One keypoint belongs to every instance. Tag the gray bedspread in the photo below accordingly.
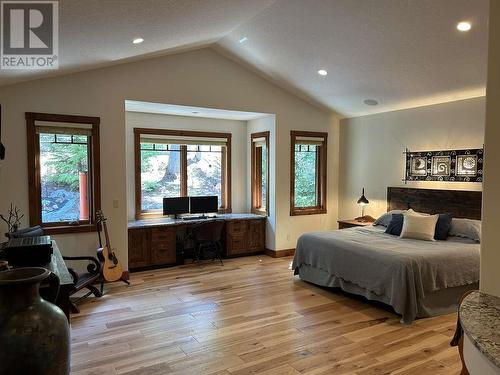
(400, 271)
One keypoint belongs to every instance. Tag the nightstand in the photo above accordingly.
(343, 224)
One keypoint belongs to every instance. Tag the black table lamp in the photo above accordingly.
(362, 201)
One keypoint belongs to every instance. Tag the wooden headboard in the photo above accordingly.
(458, 203)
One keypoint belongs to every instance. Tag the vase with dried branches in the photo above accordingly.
(13, 220)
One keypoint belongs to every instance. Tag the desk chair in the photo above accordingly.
(207, 237)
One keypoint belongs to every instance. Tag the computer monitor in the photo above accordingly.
(204, 205)
(175, 206)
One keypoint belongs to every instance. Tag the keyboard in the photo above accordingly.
(189, 218)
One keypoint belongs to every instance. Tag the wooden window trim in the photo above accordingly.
(226, 162)
(94, 173)
(256, 174)
(321, 175)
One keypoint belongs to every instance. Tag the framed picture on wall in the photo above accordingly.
(449, 165)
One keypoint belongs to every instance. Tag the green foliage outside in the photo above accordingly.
(305, 176)
(264, 175)
(161, 172)
(63, 161)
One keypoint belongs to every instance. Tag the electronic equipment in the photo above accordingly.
(28, 251)
(203, 217)
(175, 206)
(203, 205)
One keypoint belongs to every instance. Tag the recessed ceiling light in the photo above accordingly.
(322, 72)
(370, 102)
(243, 40)
(138, 40)
(464, 26)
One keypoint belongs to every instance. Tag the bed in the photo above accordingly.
(417, 278)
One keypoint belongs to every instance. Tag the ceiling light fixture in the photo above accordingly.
(243, 40)
(370, 102)
(138, 40)
(322, 72)
(464, 26)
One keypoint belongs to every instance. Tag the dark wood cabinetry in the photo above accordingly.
(157, 245)
(244, 237)
(151, 246)
(139, 247)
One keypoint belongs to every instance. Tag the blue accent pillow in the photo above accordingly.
(443, 227)
(396, 225)
(386, 218)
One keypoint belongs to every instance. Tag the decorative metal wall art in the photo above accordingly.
(452, 165)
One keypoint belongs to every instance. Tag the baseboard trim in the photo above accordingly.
(280, 253)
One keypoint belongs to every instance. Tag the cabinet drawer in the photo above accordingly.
(163, 235)
(163, 245)
(236, 227)
(238, 244)
(164, 254)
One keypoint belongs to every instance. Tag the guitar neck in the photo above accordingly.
(106, 236)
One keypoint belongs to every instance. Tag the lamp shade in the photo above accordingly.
(362, 200)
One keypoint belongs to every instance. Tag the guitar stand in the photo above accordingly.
(100, 245)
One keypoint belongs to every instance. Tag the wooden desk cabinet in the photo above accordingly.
(245, 237)
(156, 245)
(151, 246)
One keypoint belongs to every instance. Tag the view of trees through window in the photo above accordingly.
(161, 172)
(264, 177)
(305, 175)
(63, 171)
(204, 171)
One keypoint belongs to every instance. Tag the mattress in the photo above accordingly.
(417, 278)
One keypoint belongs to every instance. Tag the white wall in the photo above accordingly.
(490, 248)
(266, 123)
(372, 149)
(238, 129)
(201, 78)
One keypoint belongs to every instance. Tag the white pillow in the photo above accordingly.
(412, 212)
(466, 228)
(419, 227)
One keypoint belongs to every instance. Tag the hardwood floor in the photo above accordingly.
(250, 316)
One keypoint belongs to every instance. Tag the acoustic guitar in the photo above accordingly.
(112, 269)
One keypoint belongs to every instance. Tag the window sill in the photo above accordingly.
(258, 211)
(156, 215)
(66, 229)
(308, 211)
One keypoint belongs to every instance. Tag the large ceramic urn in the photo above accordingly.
(34, 333)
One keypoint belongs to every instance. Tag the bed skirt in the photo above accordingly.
(440, 302)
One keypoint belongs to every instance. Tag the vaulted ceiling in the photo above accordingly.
(401, 53)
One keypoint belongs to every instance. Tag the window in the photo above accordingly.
(172, 163)
(308, 173)
(260, 172)
(63, 163)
